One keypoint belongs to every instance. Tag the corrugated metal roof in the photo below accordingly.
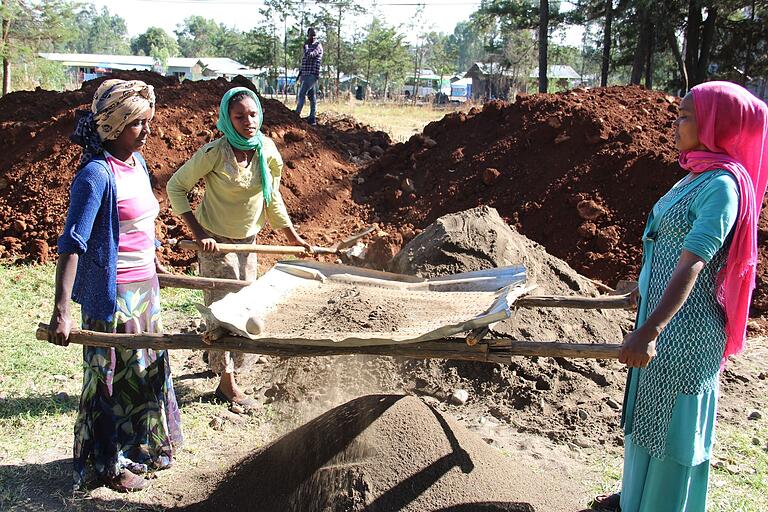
(223, 65)
(557, 71)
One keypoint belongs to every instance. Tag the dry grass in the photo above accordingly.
(399, 120)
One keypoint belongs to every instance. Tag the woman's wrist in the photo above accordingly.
(61, 310)
(652, 328)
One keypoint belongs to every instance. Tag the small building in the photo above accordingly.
(489, 80)
(461, 90)
(354, 84)
(87, 66)
(425, 83)
(559, 76)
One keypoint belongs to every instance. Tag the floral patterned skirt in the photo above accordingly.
(128, 415)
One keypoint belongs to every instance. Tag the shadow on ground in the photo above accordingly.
(38, 405)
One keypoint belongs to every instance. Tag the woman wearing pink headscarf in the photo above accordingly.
(695, 286)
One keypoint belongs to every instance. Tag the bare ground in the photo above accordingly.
(559, 462)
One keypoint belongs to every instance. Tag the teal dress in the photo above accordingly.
(670, 406)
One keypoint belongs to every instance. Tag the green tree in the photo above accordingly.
(101, 32)
(338, 10)
(440, 55)
(467, 44)
(197, 37)
(510, 15)
(383, 55)
(281, 10)
(154, 41)
(27, 28)
(256, 48)
(520, 57)
(741, 51)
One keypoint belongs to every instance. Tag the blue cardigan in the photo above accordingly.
(92, 231)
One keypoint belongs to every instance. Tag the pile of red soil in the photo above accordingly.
(38, 162)
(577, 172)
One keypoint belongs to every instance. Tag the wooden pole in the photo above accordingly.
(533, 301)
(492, 350)
(575, 302)
(189, 245)
(201, 283)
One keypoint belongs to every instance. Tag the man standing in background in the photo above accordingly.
(309, 74)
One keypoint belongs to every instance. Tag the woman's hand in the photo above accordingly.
(291, 234)
(300, 241)
(159, 268)
(203, 239)
(639, 347)
(207, 244)
(59, 328)
(634, 296)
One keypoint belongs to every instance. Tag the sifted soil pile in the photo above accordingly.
(541, 395)
(384, 452)
(577, 172)
(37, 162)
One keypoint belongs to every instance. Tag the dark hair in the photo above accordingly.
(238, 96)
(312, 31)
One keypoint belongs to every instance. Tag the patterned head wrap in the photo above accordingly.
(116, 104)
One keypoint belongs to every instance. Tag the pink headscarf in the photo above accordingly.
(733, 125)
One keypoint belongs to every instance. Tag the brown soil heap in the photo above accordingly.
(384, 452)
(37, 162)
(577, 172)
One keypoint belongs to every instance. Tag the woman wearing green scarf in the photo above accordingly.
(241, 172)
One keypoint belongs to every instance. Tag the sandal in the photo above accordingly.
(607, 502)
(127, 481)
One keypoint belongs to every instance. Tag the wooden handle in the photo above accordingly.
(496, 351)
(530, 301)
(575, 302)
(190, 245)
(201, 283)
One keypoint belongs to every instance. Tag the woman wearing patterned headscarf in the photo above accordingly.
(695, 286)
(242, 172)
(128, 422)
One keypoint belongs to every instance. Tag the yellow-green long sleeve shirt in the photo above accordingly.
(233, 205)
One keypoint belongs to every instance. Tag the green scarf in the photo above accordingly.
(224, 124)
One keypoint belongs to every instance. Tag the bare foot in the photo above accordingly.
(127, 481)
(229, 388)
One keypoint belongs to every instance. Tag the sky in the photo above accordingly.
(438, 15)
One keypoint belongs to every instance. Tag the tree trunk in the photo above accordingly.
(543, 40)
(285, 56)
(368, 71)
(641, 49)
(692, 41)
(672, 41)
(707, 38)
(386, 84)
(649, 57)
(6, 76)
(606, 43)
(4, 36)
(415, 75)
(338, 53)
(748, 56)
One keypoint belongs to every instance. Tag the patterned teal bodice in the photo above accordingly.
(690, 348)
